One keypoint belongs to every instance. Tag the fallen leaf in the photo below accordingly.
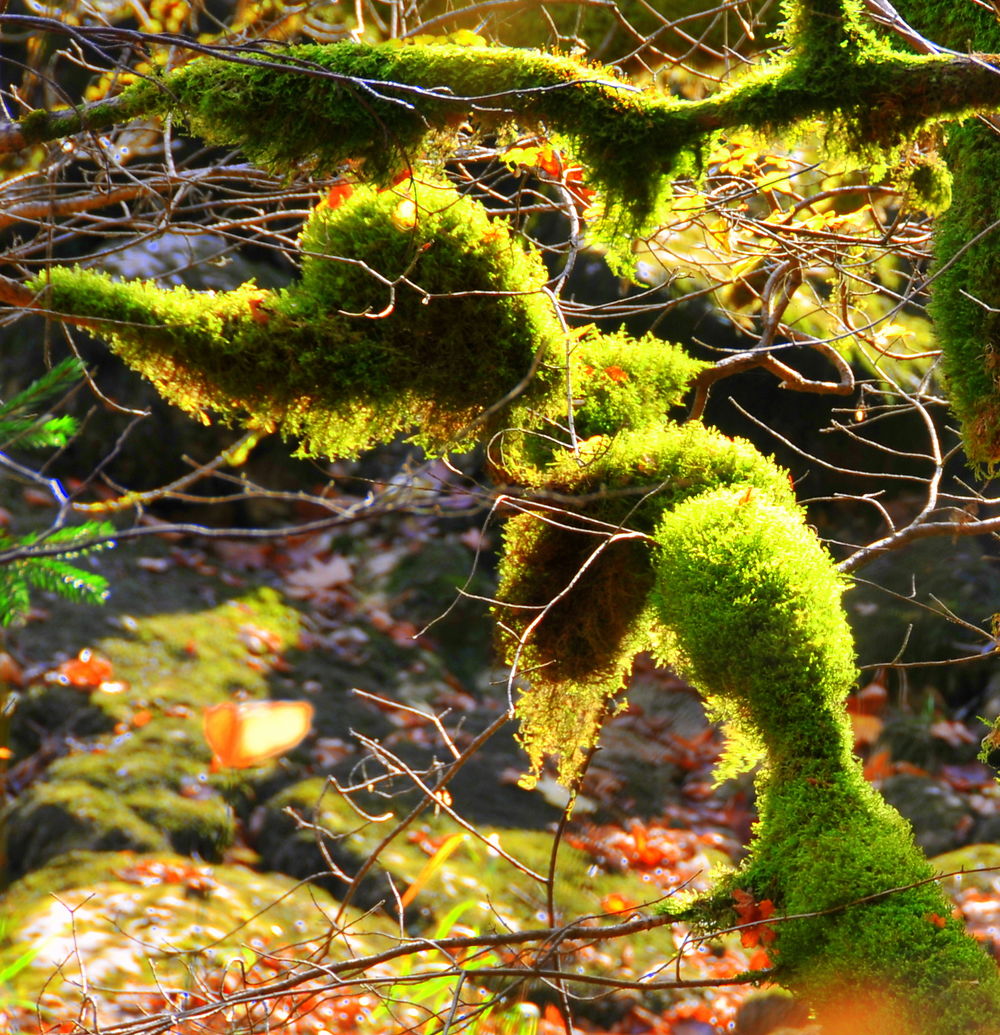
(879, 766)
(954, 733)
(246, 733)
(258, 640)
(869, 700)
(320, 575)
(10, 671)
(87, 671)
(867, 729)
(339, 193)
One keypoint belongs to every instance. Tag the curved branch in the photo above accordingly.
(790, 378)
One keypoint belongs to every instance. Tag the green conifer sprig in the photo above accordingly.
(44, 560)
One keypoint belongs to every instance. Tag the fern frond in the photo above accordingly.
(52, 572)
(59, 379)
(20, 424)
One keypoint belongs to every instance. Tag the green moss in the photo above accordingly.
(966, 284)
(192, 922)
(749, 604)
(322, 105)
(734, 568)
(414, 311)
(574, 584)
(54, 818)
(35, 125)
(627, 384)
(200, 828)
(966, 290)
(927, 184)
(965, 27)
(130, 786)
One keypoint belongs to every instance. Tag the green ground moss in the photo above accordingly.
(132, 788)
(473, 885)
(80, 909)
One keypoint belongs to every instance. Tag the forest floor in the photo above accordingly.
(113, 917)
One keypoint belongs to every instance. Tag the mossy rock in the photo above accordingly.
(56, 818)
(89, 912)
(980, 863)
(473, 883)
(934, 810)
(144, 787)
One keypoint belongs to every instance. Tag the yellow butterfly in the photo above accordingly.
(247, 733)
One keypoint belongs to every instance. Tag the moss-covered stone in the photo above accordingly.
(192, 922)
(56, 818)
(473, 882)
(144, 787)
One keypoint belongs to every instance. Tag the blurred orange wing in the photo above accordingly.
(247, 733)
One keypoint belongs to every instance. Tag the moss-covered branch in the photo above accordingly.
(415, 313)
(322, 105)
(965, 300)
(749, 602)
(723, 579)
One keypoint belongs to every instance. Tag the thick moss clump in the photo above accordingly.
(966, 285)
(574, 581)
(749, 604)
(414, 311)
(627, 383)
(734, 568)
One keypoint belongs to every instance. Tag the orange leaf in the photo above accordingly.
(86, 671)
(10, 670)
(142, 718)
(549, 161)
(250, 732)
(869, 700)
(259, 313)
(616, 374)
(339, 193)
(867, 728)
(753, 913)
(616, 903)
(879, 766)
